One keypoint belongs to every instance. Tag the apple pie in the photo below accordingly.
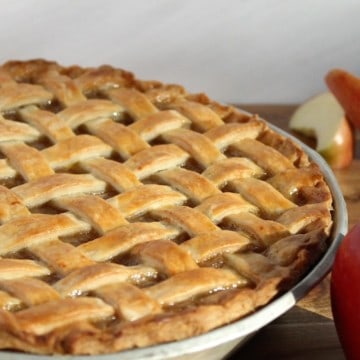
(134, 213)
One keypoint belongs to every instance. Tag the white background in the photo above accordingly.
(249, 51)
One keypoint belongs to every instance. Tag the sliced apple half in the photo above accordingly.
(323, 118)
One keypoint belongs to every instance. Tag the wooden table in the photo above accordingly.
(307, 331)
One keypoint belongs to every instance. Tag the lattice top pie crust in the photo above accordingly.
(134, 213)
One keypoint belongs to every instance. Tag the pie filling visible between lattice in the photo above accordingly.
(134, 213)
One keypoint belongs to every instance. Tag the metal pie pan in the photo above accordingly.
(219, 342)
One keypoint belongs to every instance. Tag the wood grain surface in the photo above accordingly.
(307, 331)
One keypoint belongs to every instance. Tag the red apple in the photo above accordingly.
(346, 88)
(345, 293)
(323, 118)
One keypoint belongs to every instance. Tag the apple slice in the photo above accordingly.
(346, 88)
(323, 118)
(345, 293)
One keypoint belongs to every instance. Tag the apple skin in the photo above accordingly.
(346, 88)
(345, 293)
(341, 152)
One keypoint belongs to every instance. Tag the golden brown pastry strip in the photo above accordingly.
(21, 95)
(218, 206)
(19, 268)
(30, 291)
(29, 162)
(165, 256)
(87, 110)
(61, 256)
(69, 151)
(135, 103)
(129, 302)
(185, 285)
(117, 175)
(47, 123)
(12, 205)
(264, 231)
(64, 89)
(266, 157)
(145, 198)
(42, 190)
(14, 131)
(44, 318)
(121, 138)
(160, 157)
(93, 276)
(194, 186)
(99, 213)
(189, 220)
(203, 151)
(207, 245)
(158, 123)
(271, 202)
(202, 117)
(224, 135)
(122, 239)
(225, 170)
(28, 230)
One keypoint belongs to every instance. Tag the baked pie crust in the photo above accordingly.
(135, 213)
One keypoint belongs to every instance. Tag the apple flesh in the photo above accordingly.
(345, 293)
(346, 88)
(323, 118)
